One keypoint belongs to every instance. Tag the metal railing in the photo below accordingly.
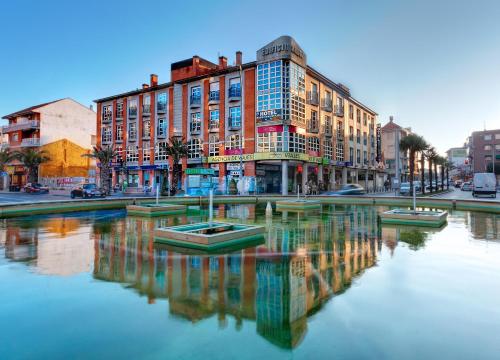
(195, 100)
(313, 98)
(234, 92)
(161, 107)
(26, 125)
(312, 126)
(234, 123)
(29, 142)
(214, 96)
(326, 104)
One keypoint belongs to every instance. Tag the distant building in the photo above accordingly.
(62, 128)
(388, 135)
(484, 149)
(459, 158)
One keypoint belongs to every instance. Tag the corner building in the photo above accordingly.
(276, 122)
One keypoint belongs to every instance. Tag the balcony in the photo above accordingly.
(313, 98)
(340, 135)
(234, 93)
(195, 101)
(214, 97)
(30, 142)
(312, 126)
(132, 113)
(26, 125)
(327, 130)
(146, 110)
(326, 104)
(119, 114)
(107, 117)
(213, 126)
(161, 107)
(339, 110)
(234, 123)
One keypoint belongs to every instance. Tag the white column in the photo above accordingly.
(284, 177)
(304, 176)
(332, 178)
(344, 176)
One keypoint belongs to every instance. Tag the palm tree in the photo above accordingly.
(104, 156)
(5, 157)
(412, 143)
(177, 148)
(31, 160)
(440, 161)
(431, 156)
(422, 169)
(448, 166)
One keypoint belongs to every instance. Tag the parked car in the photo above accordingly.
(35, 188)
(87, 191)
(349, 189)
(466, 186)
(404, 189)
(484, 184)
(458, 184)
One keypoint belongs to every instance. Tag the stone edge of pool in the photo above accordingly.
(63, 206)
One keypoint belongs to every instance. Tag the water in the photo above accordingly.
(335, 285)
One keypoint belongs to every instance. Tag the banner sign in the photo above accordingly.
(266, 156)
(268, 115)
(232, 151)
(270, 128)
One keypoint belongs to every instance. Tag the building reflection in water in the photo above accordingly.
(306, 260)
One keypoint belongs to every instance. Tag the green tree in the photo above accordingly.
(431, 155)
(412, 144)
(31, 160)
(104, 157)
(5, 157)
(177, 149)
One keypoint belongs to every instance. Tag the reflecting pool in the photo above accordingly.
(335, 284)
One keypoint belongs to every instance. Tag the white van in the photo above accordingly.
(484, 184)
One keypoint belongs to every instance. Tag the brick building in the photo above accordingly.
(280, 120)
(484, 149)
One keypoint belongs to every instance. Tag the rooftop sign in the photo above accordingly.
(284, 47)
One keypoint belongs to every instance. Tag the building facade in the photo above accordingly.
(484, 151)
(458, 157)
(62, 128)
(276, 122)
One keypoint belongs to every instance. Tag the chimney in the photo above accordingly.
(391, 118)
(91, 107)
(145, 86)
(153, 80)
(222, 62)
(239, 56)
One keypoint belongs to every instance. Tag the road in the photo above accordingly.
(458, 194)
(23, 198)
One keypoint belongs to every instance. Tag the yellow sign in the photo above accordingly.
(266, 156)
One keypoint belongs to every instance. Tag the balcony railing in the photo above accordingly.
(312, 126)
(313, 98)
(26, 125)
(340, 135)
(214, 96)
(132, 112)
(327, 130)
(161, 107)
(107, 117)
(161, 134)
(326, 104)
(339, 110)
(195, 127)
(195, 101)
(234, 93)
(30, 142)
(234, 123)
(213, 126)
(146, 109)
(119, 113)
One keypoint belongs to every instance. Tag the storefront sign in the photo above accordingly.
(234, 173)
(233, 166)
(229, 158)
(268, 115)
(270, 128)
(199, 171)
(266, 156)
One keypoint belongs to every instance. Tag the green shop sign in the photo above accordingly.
(199, 171)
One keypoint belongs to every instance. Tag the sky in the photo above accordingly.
(432, 64)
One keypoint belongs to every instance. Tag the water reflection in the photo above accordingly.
(306, 260)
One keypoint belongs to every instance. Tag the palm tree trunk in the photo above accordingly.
(422, 163)
(442, 177)
(430, 175)
(447, 178)
(436, 174)
(412, 168)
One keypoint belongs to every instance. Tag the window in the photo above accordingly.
(365, 157)
(146, 151)
(214, 119)
(146, 104)
(270, 142)
(358, 136)
(132, 108)
(497, 147)
(214, 94)
(372, 141)
(328, 120)
(487, 147)
(132, 153)
(487, 137)
(161, 151)
(351, 154)
(162, 102)
(146, 129)
(235, 116)
(234, 87)
(195, 95)
(107, 135)
(119, 132)
(132, 131)
(269, 86)
(497, 136)
(351, 133)
(351, 112)
(161, 130)
(297, 143)
(107, 113)
(327, 149)
(119, 110)
(365, 138)
(339, 152)
(358, 115)
(358, 156)
(296, 93)
(313, 144)
(194, 148)
(313, 125)
(233, 142)
(213, 145)
(195, 124)
(119, 154)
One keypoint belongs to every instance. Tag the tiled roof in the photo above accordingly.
(28, 110)
(390, 126)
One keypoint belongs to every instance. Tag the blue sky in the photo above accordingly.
(434, 65)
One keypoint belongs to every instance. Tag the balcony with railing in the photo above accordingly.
(234, 122)
(327, 130)
(161, 107)
(146, 110)
(313, 98)
(326, 104)
(340, 135)
(213, 97)
(213, 126)
(30, 142)
(234, 93)
(339, 110)
(195, 101)
(25, 125)
(312, 126)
